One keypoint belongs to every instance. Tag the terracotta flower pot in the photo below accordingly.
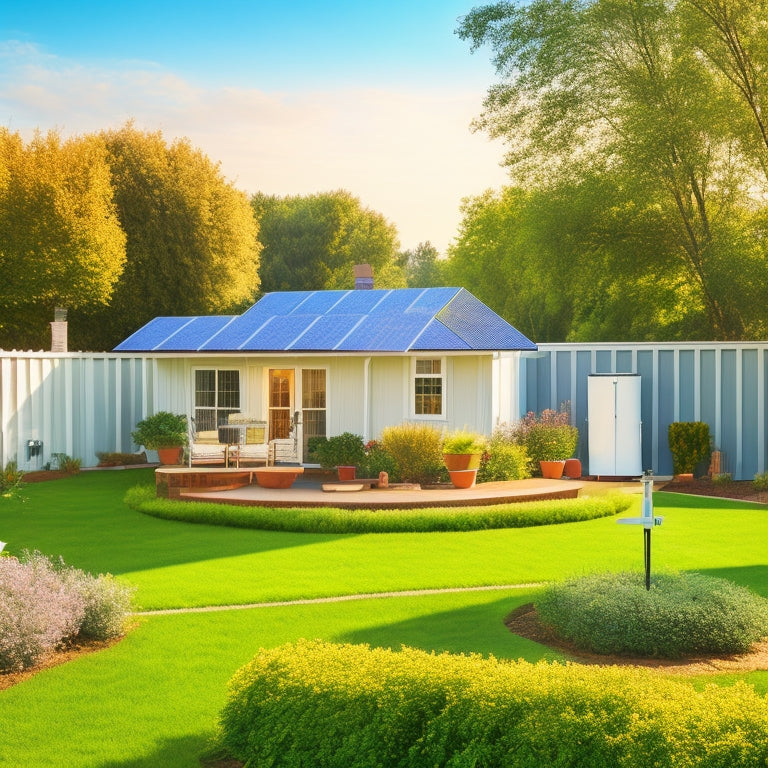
(572, 469)
(346, 472)
(459, 461)
(170, 455)
(552, 470)
(463, 478)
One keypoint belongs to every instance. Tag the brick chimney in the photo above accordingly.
(59, 330)
(363, 277)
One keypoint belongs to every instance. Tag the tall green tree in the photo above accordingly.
(312, 242)
(423, 266)
(192, 244)
(594, 87)
(60, 239)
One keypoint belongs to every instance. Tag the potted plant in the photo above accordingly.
(345, 452)
(165, 433)
(549, 438)
(462, 451)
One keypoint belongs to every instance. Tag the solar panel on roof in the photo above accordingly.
(384, 333)
(153, 333)
(359, 302)
(379, 320)
(326, 333)
(398, 301)
(319, 302)
(195, 333)
(437, 337)
(433, 300)
(279, 333)
(480, 326)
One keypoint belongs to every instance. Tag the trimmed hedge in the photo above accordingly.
(329, 520)
(683, 614)
(350, 706)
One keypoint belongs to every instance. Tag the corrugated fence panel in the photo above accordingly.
(73, 403)
(645, 368)
(666, 408)
(729, 418)
(722, 384)
(687, 386)
(749, 421)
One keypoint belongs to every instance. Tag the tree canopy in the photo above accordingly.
(191, 244)
(61, 243)
(117, 227)
(645, 117)
(312, 242)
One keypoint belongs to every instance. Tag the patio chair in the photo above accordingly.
(254, 445)
(204, 446)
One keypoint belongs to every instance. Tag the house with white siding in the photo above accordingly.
(319, 363)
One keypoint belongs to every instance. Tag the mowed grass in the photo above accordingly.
(153, 698)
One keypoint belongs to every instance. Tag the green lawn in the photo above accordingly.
(153, 699)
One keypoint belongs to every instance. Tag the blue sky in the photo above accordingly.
(290, 98)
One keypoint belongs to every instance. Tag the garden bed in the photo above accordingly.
(739, 490)
(524, 621)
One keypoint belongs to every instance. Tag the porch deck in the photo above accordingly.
(309, 493)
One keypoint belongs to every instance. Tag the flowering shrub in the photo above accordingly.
(45, 603)
(320, 704)
(107, 603)
(38, 610)
(547, 436)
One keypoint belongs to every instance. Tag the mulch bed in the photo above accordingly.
(739, 490)
(524, 621)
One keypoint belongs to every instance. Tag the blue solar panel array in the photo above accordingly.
(399, 320)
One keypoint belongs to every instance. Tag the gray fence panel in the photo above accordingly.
(722, 384)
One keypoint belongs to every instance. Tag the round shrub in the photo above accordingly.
(683, 614)
(37, 611)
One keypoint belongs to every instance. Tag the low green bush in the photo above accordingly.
(352, 706)
(760, 481)
(377, 460)
(722, 478)
(522, 514)
(683, 614)
(504, 461)
(345, 450)
(120, 459)
(415, 449)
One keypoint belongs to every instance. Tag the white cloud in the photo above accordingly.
(410, 155)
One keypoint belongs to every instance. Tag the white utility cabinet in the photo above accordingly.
(614, 426)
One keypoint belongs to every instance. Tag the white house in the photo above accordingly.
(318, 363)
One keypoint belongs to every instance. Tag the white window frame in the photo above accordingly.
(218, 368)
(442, 376)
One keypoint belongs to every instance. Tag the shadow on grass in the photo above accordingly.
(85, 520)
(479, 627)
(753, 576)
(179, 752)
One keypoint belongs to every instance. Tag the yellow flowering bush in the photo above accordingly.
(352, 706)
